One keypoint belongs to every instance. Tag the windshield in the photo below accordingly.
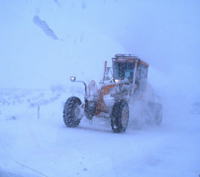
(123, 70)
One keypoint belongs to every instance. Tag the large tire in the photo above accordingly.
(120, 116)
(71, 112)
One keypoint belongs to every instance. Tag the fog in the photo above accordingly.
(163, 33)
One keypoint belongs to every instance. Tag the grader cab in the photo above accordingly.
(122, 85)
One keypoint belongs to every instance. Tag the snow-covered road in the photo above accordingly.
(47, 146)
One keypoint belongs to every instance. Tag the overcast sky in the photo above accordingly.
(166, 34)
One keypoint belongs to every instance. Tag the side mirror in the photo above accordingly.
(72, 78)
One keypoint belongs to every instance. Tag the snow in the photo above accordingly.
(46, 145)
(34, 85)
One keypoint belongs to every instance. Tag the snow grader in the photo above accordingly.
(123, 85)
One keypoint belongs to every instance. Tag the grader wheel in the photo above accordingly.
(120, 116)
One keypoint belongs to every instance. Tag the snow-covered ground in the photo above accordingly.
(36, 142)
(43, 43)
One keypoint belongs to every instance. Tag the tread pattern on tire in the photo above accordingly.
(116, 121)
(68, 112)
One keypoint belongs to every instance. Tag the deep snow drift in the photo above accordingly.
(43, 43)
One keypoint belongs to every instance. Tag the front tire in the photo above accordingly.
(72, 112)
(120, 116)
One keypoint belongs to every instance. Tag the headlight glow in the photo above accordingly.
(72, 78)
(116, 80)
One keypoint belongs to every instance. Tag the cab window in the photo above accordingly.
(124, 70)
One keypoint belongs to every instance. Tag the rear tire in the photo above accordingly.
(120, 116)
(72, 112)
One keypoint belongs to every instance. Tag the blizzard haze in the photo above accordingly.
(164, 34)
(43, 43)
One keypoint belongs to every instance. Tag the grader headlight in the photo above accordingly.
(72, 78)
(116, 81)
